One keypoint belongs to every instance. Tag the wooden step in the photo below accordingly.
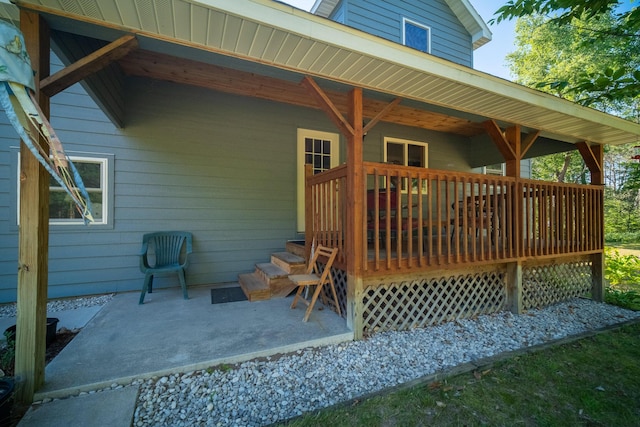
(276, 278)
(291, 263)
(295, 248)
(253, 287)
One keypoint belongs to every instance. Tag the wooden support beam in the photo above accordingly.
(499, 139)
(593, 156)
(328, 106)
(529, 140)
(374, 121)
(184, 71)
(33, 234)
(512, 135)
(88, 65)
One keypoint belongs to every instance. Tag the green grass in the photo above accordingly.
(591, 382)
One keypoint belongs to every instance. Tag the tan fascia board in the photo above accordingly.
(472, 21)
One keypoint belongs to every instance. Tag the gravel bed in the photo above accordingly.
(9, 310)
(262, 392)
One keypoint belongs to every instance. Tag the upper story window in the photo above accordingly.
(416, 35)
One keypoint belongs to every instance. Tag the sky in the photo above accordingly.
(490, 57)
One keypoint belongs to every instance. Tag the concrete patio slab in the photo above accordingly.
(169, 334)
(105, 409)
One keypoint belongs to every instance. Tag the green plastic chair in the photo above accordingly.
(166, 247)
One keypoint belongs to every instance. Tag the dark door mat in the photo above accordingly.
(222, 295)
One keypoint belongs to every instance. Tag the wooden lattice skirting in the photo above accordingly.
(340, 283)
(429, 301)
(544, 285)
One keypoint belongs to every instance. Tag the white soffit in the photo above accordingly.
(282, 36)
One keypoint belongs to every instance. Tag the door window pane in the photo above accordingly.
(318, 153)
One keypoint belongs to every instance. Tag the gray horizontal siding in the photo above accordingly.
(220, 166)
(449, 39)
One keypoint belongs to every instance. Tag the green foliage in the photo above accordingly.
(621, 270)
(8, 355)
(623, 274)
(621, 237)
(564, 10)
(561, 167)
(577, 61)
(628, 299)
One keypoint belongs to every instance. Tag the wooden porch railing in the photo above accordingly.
(425, 219)
(325, 210)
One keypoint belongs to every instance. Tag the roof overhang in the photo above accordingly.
(466, 13)
(277, 35)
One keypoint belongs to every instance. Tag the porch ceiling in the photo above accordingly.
(276, 35)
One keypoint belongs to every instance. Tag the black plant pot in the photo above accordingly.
(6, 399)
(52, 327)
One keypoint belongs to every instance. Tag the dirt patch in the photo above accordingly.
(63, 337)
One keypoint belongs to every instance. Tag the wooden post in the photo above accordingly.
(514, 287)
(309, 231)
(593, 157)
(512, 136)
(509, 143)
(33, 233)
(355, 213)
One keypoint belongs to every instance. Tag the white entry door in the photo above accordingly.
(319, 149)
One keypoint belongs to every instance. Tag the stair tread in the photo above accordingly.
(252, 282)
(272, 271)
(288, 257)
(253, 287)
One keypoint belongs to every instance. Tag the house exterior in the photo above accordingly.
(201, 117)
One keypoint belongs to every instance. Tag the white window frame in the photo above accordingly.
(106, 180)
(493, 171)
(406, 21)
(302, 134)
(406, 143)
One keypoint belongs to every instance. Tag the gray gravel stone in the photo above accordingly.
(261, 392)
(9, 310)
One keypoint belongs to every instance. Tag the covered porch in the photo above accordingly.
(420, 246)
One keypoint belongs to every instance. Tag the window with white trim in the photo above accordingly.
(97, 176)
(406, 152)
(416, 35)
(62, 209)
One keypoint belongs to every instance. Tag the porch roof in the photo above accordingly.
(277, 35)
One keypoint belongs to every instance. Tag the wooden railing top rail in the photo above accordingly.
(328, 175)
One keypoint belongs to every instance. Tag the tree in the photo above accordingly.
(555, 56)
(619, 82)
